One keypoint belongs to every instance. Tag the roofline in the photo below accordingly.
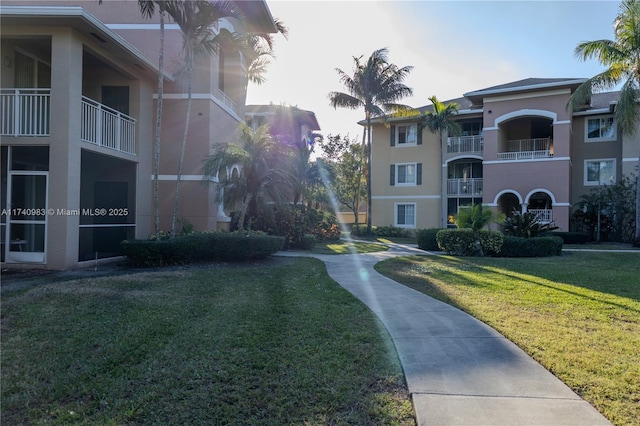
(398, 119)
(522, 88)
(80, 13)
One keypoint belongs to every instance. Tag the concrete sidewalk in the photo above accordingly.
(459, 370)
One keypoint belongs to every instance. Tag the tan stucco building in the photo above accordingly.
(77, 109)
(520, 149)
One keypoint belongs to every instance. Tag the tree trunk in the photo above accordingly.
(359, 180)
(368, 174)
(174, 217)
(636, 242)
(156, 152)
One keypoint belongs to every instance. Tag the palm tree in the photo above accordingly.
(250, 171)
(376, 86)
(622, 57)
(440, 120)
(195, 19)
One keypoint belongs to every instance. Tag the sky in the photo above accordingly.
(455, 47)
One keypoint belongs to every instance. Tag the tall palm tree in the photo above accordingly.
(195, 19)
(440, 120)
(622, 57)
(249, 171)
(376, 86)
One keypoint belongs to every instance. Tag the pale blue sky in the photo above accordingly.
(454, 46)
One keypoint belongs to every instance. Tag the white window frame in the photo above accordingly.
(600, 182)
(410, 129)
(395, 215)
(600, 138)
(415, 174)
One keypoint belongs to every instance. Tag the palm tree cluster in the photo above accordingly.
(621, 56)
(376, 86)
(251, 171)
(196, 20)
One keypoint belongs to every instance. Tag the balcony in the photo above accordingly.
(542, 215)
(465, 144)
(527, 149)
(464, 187)
(106, 127)
(27, 112)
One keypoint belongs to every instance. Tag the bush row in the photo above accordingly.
(531, 247)
(381, 231)
(570, 237)
(201, 247)
(461, 242)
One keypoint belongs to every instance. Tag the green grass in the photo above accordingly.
(578, 314)
(346, 247)
(223, 345)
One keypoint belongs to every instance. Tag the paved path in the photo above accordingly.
(459, 370)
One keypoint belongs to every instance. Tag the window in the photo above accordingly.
(406, 215)
(406, 135)
(600, 172)
(600, 129)
(406, 174)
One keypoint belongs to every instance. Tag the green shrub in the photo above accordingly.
(461, 242)
(392, 231)
(491, 242)
(294, 222)
(308, 242)
(201, 247)
(531, 247)
(361, 230)
(570, 237)
(427, 239)
(526, 225)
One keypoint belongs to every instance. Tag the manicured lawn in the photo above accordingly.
(347, 247)
(578, 314)
(252, 344)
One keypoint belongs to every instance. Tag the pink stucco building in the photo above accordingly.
(77, 108)
(520, 149)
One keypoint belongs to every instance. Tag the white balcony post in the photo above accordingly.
(17, 108)
(117, 135)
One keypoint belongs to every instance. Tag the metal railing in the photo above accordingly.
(542, 215)
(25, 112)
(527, 149)
(106, 127)
(469, 186)
(465, 144)
(228, 101)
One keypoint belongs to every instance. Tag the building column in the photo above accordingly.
(64, 151)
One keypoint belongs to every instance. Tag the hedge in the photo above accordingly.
(427, 239)
(570, 237)
(531, 247)
(461, 242)
(201, 247)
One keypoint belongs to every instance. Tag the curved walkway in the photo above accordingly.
(459, 370)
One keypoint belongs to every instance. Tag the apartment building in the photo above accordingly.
(77, 108)
(520, 149)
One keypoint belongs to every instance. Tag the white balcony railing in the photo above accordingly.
(228, 101)
(527, 149)
(469, 186)
(543, 215)
(25, 112)
(106, 127)
(465, 144)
